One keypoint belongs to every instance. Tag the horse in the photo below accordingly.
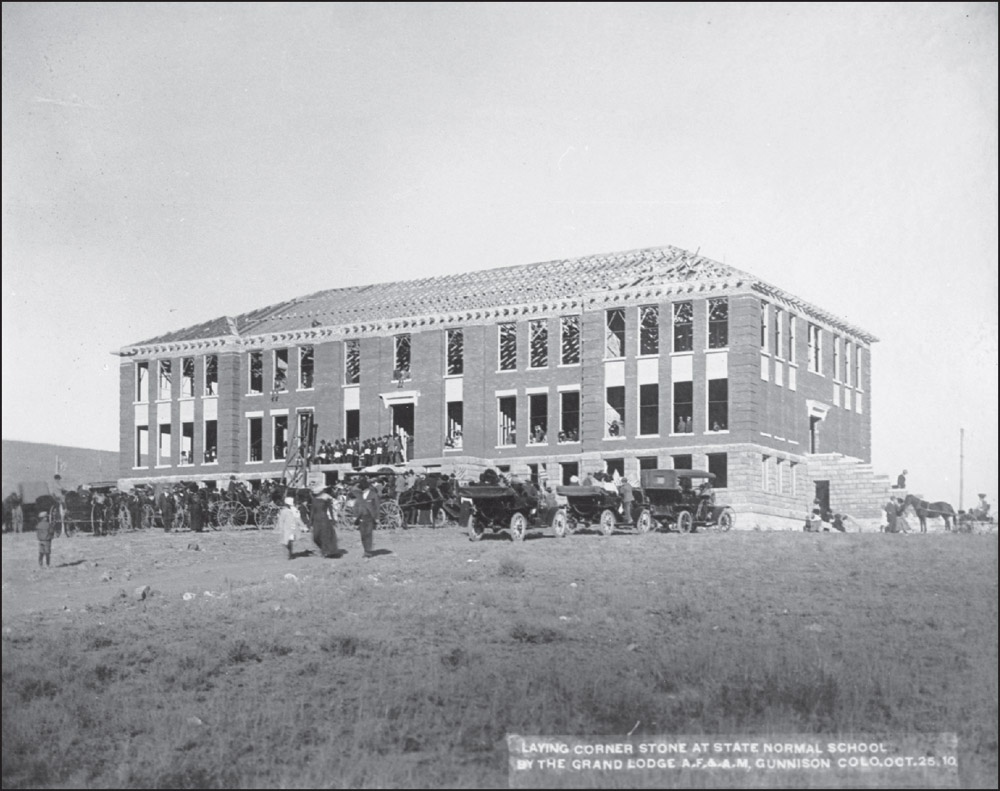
(924, 509)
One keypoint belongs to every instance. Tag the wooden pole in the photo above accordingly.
(961, 468)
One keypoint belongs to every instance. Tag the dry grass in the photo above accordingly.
(408, 670)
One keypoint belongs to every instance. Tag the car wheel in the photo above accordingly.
(560, 525)
(518, 526)
(607, 522)
(685, 521)
(645, 522)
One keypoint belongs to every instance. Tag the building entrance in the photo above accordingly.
(402, 427)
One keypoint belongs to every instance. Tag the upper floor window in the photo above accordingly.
(508, 347)
(352, 362)
(649, 329)
(764, 337)
(815, 349)
(164, 380)
(306, 362)
(857, 369)
(456, 352)
(187, 377)
(614, 333)
(778, 340)
(718, 323)
(791, 339)
(538, 343)
(569, 344)
(683, 327)
(211, 375)
(280, 370)
(848, 367)
(401, 356)
(142, 382)
(836, 358)
(256, 372)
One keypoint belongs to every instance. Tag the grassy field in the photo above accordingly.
(409, 669)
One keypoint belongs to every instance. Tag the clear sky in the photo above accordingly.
(164, 164)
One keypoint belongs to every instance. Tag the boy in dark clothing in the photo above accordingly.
(43, 532)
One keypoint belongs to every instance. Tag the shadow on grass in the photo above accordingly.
(70, 563)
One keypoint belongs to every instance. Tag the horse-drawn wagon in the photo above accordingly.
(600, 506)
(676, 504)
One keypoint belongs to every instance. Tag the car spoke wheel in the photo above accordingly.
(560, 525)
(685, 521)
(727, 520)
(476, 530)
(607, 522)
(518, 526)
(645, 522)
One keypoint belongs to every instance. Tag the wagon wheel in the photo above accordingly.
(685, 521)
(518, 526)
(233, 514)
(607, 522)
(560, 524)
(726, 520)
(389, 515)
(476, 530)
(440, 518)
(645, 521)
(147, 516)
(265, 515)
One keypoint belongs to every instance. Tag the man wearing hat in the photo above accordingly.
(44, 532)
(323, 530)
(366, 510)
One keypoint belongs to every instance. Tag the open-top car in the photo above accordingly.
(600, 506)
(684, 500)
(516, 508)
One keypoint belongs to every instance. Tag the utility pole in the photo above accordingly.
(961, 468)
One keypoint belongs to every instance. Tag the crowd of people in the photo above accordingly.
(358, 453)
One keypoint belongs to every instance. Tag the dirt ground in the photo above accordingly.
(89, 570)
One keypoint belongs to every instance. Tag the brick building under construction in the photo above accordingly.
(652, 358)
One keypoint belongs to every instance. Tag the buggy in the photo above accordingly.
(431, 500)
(595, 505)
(515, 508)
(675, 504)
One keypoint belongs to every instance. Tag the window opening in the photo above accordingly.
(538, 413)
(456, 352)
(352, 362)
(538, 332)
(508, 347)
(507, 420)
(614, 411)
(306, 361)
(649, 409)
(683, 407)
(683, 327)
(569, 416)
(570, 343)
(718, 323)
(649, 330)
(614, 333)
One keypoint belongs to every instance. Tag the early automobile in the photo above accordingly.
(684, 500)
(603, 507)
(515, 508)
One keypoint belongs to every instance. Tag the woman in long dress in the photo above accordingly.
(323, 529)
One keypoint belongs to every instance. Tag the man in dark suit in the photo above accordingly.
(366, 510)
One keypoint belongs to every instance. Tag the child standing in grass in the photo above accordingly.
(289, 522)
(43, 532)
